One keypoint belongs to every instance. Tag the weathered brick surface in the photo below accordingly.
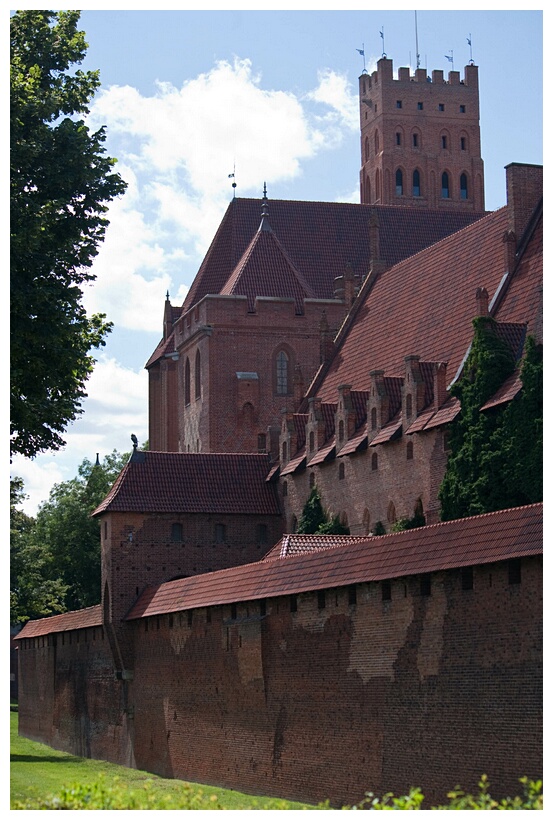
(377, 695)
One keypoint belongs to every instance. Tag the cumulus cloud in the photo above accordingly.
(116, 407)
(176, 149)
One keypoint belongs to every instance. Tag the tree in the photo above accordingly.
(56, 557)
(314, 519)
(61, 182)
(32, 594)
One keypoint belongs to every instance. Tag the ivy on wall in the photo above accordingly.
(314, 519)
(496, 455)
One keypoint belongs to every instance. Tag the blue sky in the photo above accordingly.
(189, 96)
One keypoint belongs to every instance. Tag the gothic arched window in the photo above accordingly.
(416, 183)
(187, 381)
(399, 182)
(198, 375)
(464, 186)
(445, 185)
(282, 362)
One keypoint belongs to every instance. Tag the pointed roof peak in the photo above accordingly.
(264, 224)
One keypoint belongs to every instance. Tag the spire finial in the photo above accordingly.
(265, 204)
(167, 296)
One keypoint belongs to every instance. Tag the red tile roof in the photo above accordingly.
(79, 619)
(265, 269)
(472, 541)
(300, 544)
(508, 390)
(323, 454)
(320, 238)
(428, 300)
(294, 463)
(354, 443)
(523, 298)
(388, 432)
(447, 412)
(223, 483)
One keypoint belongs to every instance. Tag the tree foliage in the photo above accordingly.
(61, 182)
(496, 455)
(315, 519)
(56, 560)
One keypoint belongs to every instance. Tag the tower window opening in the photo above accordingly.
(441, 107)
(416, 183)
(462, 109)
(399, 182)
(464, 186)
(445, 185)
(398, 137)
(415, 140)
(463, 143)
(444, 141)
(420, 106)
(398, 104)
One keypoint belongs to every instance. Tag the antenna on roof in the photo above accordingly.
(362, 53)
(231, 176)
(418, 60)
(469, 41)
(382, 35)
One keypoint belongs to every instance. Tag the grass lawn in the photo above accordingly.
(37, 771)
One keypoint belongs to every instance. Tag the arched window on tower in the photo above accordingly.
(198, 375)
(445, 185)
(376, 142)
(399, 182)
(464, 186)
(416, 183)
(373, 419)
(366, 149)
(282, 363)
(187, 381)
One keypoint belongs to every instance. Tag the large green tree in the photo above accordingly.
(61, 184)
(56, 556)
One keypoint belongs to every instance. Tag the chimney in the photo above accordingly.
(482, 302)
(524, 191)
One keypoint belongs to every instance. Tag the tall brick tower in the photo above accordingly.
(420, 139)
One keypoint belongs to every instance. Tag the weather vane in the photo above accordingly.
(450, 58)
(382, 35)
(231, 176)
(469, 41)
(362, 53)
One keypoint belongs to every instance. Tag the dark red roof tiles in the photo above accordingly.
(472, 541)
(294, 463)
(389, 432)
(193, 483)
(354, 443)
(447, 412)
(324, 454)
(78, 619)
(266, 270)
(428, 299)
(319, 238)
(523, 299)
(508, 390)
(300, 544)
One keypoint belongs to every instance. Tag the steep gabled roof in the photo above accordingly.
(265, 269)
(224, 483)
(320, 238)
(426, 303)
(481, 539)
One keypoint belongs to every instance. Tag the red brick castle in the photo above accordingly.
(317, 346)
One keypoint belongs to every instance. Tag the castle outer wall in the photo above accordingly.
(348, 693)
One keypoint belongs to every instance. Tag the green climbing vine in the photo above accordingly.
(496, 455)
(315, 519)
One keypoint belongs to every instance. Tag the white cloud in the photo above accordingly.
(116, 407)
(335, 91)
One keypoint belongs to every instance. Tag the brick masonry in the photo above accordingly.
(430, 690)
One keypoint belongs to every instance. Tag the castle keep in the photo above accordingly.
(317, 347)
